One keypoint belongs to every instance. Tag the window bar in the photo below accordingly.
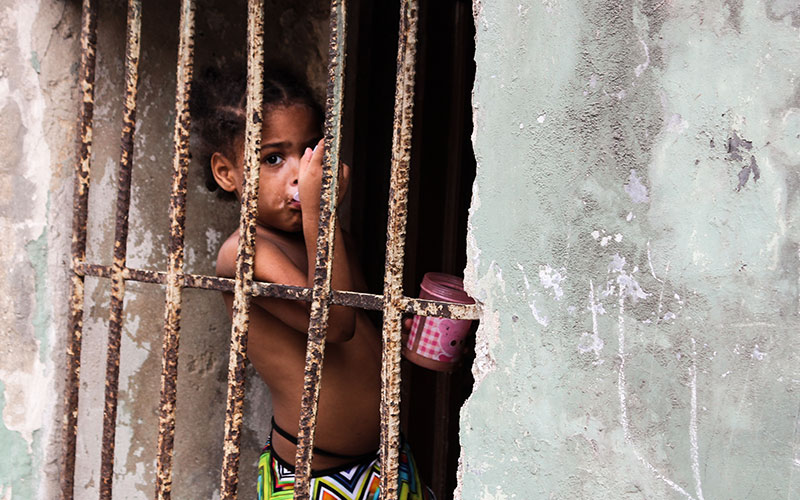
(246, 252)
(80, 208)
(395, 249)
(323, 269)
(132, 50)
(177, 210)
(372, 302)
(393, 303)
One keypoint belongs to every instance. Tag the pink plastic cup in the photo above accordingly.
(438, 343)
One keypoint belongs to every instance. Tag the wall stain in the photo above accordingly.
(737, 149)
(735, 17)
(778, 10)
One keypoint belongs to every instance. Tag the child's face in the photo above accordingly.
(286, 133)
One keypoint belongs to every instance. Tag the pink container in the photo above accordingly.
(438, 343)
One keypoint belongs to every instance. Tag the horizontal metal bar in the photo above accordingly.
(368, 301)
(423, 307)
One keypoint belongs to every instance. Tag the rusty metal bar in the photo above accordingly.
(323, 269)
(422, 307)
(368, 301)
(395, 249)
(177, 211)
(132, 51)
(80, 200)
(246, 251)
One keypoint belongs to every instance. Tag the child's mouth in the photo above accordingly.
(296, 199)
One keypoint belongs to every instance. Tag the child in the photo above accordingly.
(345, 463)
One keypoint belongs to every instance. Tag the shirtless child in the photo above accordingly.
(348, 421)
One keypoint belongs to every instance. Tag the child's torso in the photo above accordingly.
(348, 420)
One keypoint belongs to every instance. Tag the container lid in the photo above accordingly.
(448, 287)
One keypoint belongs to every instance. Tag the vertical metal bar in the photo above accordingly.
(132, 51)
(395, 249)
(323, 270)
(177, 211)
(244, 260)
(80, 207)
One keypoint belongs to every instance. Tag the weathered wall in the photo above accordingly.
(39, 53)
(37, 44)
(641, 292)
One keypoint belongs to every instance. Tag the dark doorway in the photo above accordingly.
(442, 171)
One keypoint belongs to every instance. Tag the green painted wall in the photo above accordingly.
(635, 244)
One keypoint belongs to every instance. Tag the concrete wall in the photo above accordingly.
(37, 46)
(39, 54)
(640, 337)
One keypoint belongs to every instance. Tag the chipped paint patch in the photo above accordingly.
(635, 189)
(26, 400)
(16, 473)
(551, 279)
(497, 494)
(37, 256)
(485, 339)
(213, 237)
(592, 341)
(643, 66)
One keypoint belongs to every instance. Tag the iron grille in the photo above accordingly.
(392, 303)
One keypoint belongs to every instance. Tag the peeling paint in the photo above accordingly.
(552, 279)
(17, 476)
(635, 189)
(26, 380)
(37, 255)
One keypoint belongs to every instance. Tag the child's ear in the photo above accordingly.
(225, 173)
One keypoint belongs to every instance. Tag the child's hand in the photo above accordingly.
(408, 321)
(405, 328)
(310, 177)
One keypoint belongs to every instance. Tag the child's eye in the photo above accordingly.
(272, 159)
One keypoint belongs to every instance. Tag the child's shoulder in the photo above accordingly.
(274, 253)
(226, 256)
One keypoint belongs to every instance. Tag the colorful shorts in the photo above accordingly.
(358, 481)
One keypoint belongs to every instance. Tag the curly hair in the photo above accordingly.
(218, 101)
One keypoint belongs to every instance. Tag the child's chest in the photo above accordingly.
(293, 248)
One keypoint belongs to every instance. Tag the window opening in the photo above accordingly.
(393, 303)
(440, 188)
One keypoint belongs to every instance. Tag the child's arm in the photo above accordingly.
(341, 320)
(273, 265)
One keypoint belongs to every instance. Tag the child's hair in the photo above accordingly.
(218, 103)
